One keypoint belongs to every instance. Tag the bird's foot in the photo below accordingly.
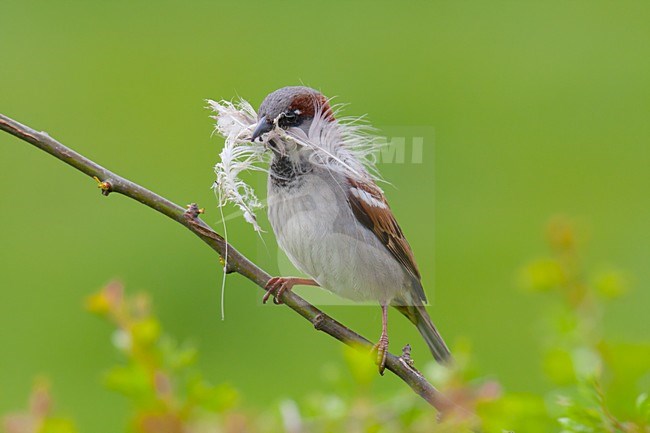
(278, 285)
(382, 350)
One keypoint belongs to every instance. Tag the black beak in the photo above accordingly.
(263, 126)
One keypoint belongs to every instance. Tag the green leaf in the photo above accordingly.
(57, 425)
(558, 366)
(610, 284)
(360, 362)
(132, 380)
(213, 398)
(516, 412)
(146, 332)
(542, 275)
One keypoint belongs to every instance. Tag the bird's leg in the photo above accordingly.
(278, 285)
(382, 345)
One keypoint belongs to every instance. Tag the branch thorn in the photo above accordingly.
(105, 186)
(193, 211)
(319, 321)
(406, 358)
(228, 267)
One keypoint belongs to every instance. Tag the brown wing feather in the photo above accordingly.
(380, 220)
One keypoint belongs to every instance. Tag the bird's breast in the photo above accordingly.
(318, 231)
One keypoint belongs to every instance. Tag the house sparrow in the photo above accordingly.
(332, 220)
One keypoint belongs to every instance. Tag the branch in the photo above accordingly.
(111, 182)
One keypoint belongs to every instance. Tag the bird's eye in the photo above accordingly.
(289, 118)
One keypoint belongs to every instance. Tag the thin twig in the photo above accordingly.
(110, 182)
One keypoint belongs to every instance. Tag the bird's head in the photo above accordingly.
(291, 107)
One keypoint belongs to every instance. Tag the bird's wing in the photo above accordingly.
(371, 209)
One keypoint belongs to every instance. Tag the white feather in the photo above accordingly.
(345, 146)
(368, 198)
(239, 154)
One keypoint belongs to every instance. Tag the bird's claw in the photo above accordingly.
(276, 286)
(382, 351)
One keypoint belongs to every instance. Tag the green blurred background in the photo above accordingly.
(538, 108)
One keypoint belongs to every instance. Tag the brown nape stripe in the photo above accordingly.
(308, 103)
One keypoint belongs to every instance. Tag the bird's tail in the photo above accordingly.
(420, 318)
